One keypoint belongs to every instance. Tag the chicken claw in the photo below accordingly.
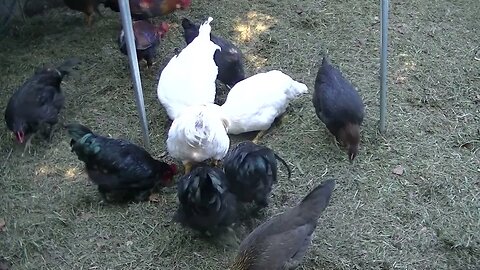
(215, 163)
(28, 145)
(47, 132)
(88, 20)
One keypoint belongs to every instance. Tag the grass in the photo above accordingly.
(427, 218)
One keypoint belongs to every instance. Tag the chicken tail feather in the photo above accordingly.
(284, 164)
(77, 131)
(84, 142)
(205, 29)
(317, 200)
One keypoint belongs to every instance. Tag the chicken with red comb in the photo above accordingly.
(36, 104)
(122, 170)
(143, 9)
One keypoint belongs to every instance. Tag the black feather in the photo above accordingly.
(206, 204)
(251, 170)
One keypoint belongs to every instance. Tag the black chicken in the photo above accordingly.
(206, 204)
(147, 38)
(36, 104)
(229, 59)
(339, 106)
(282, 241)
(122, 170)
(251, 171)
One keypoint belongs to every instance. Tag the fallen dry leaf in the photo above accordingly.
(467, 145)
(2, 225)
(398, 170)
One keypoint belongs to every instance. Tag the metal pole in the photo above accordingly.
(135, 71)
(383, 65)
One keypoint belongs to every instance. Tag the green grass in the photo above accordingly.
(428, 218)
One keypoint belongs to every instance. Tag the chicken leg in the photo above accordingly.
(28, 145)
(88, 19)
(215, 163)
(260, 134)
(188, 167)
(47, 131)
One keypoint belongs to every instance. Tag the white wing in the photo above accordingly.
(254, 103)
(189, 78)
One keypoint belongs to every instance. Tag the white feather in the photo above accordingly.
(199, 133)
(189, 78)
(254, 103)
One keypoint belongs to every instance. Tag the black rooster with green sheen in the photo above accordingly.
(35, 106)
(251, 171)
(121, 169)
(206, 204)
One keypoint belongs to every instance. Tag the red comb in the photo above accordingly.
(173, 167)
(186, 3)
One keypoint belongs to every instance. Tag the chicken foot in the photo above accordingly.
(188, 167)
(28, 145)
(88, 20)
(47, 132)
(215, 163)
(279, 120)
(260, 134)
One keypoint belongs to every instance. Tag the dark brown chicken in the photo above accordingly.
(339, 106)
(36, 104)
(86, 6)
(282, 242)
(147, 39)
(143, 9)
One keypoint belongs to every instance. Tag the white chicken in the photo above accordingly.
(189, 77)
(254, 103)
(198, 134)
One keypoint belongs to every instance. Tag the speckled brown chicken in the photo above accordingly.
(281, 242)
